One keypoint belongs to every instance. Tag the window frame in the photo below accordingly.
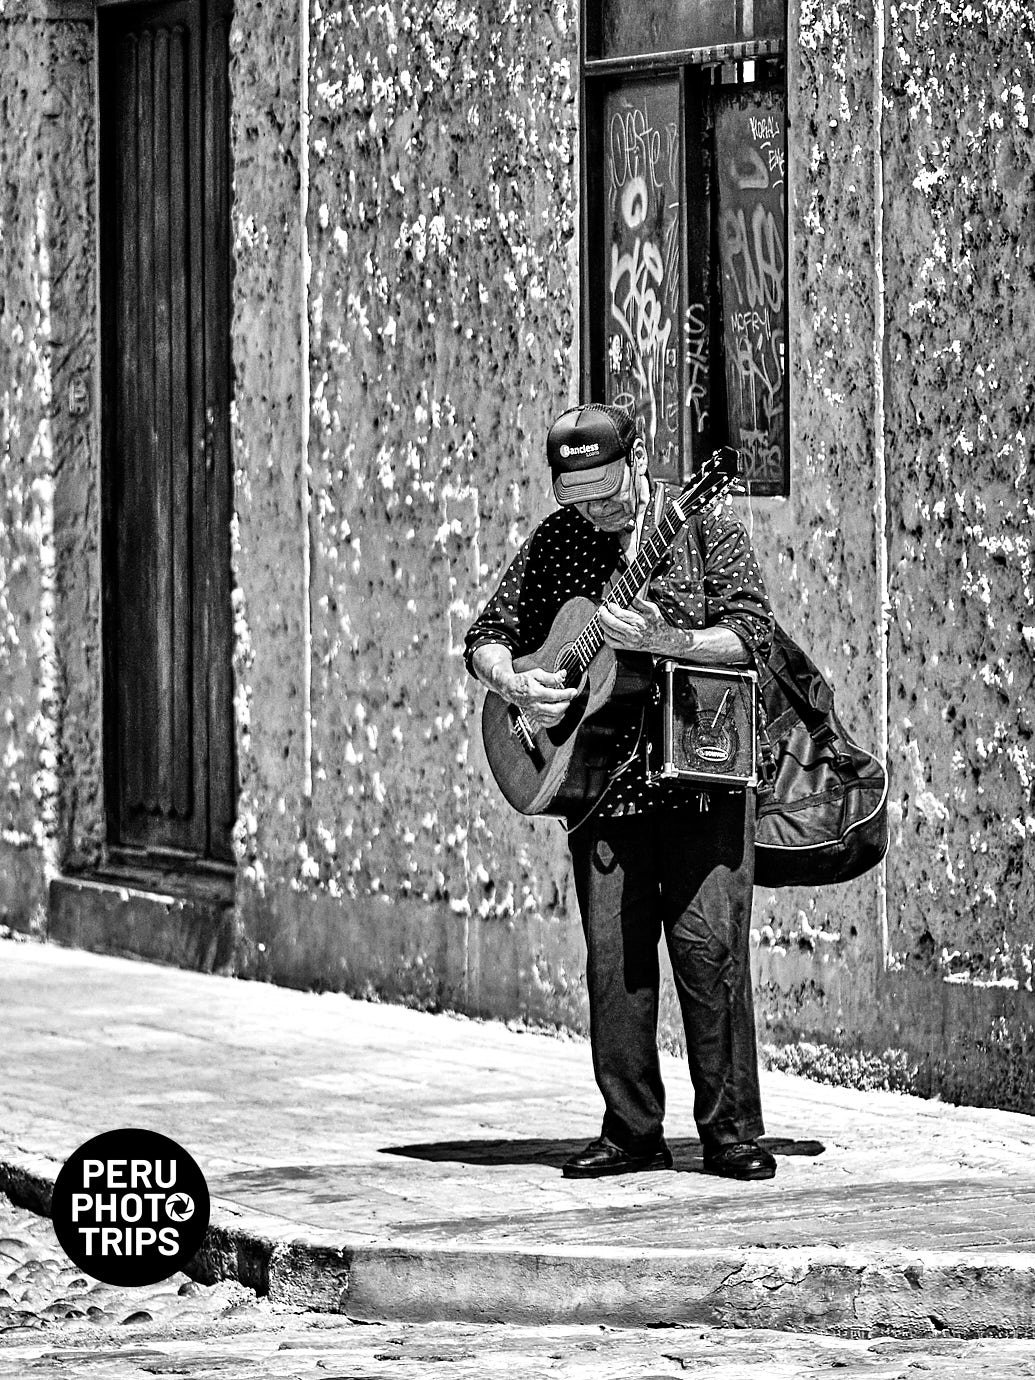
(702, 74)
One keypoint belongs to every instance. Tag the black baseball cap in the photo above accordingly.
(588, 449)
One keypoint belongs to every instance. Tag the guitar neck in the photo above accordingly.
(624, 591)
(717, 474)
(591, 639)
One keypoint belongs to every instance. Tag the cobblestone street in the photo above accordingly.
(54, 1321)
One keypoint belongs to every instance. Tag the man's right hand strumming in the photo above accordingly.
(540, 694)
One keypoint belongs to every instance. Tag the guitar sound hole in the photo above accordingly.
(571, 674)
(560, 733)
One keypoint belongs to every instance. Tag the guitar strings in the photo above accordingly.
(590, 640)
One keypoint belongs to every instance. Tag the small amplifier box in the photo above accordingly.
(703, 725)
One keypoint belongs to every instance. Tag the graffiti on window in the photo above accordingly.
(751, 166)
(643, 152)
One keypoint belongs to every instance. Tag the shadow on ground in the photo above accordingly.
(687, 1153)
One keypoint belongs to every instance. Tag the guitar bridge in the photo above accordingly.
(521, 728)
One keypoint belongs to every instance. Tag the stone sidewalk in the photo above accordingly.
(381, 1162)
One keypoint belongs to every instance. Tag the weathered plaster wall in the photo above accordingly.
(960, 153)
(48, 619)
(71, 169)
(820, 950)
(268, 539)
(24, 403)
(441, 222)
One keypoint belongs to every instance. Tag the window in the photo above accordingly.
(684, 230)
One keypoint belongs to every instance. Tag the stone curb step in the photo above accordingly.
(887, 1293)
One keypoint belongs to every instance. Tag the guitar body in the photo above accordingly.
(566, 767)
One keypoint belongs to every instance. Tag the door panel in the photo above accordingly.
(165, 295)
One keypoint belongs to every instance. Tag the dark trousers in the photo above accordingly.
(689, 875)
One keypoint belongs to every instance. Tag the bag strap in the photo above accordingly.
(660, 501)
(766, 752)
(804, 686)
(793, 669)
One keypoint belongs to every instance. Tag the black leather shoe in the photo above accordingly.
(744, 1159)
(603, 1156)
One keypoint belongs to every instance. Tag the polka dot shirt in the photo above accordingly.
(709, 578)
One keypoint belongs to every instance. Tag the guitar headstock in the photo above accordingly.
(716, 477)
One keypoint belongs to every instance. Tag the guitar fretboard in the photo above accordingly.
(710, 485)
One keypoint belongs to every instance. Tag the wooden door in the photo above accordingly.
(164, 206)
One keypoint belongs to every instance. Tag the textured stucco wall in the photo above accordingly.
(820, 950)
(959, 150)
(269, 409)
(49, 667)
(441, 221)
(75, 429)
(960, 153)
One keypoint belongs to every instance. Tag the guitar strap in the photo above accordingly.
(660, 499)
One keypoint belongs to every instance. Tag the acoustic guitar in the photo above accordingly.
(558, 770)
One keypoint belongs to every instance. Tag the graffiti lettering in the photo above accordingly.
(635, 147)
(635, 202)
(749, 170)
(757, 366)
(760, 456)
(758, 168)
(644, 156)
(671, 237)
(751, 163)
(636, 279)
(697, 365)
(667, 455)
(750, 321)
(672, 151)
(755, 257)
(764, 128)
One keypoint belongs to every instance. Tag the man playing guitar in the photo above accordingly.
(650, 857)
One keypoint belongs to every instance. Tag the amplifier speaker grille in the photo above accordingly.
(703, 725)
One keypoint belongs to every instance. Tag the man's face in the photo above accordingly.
(616, 513)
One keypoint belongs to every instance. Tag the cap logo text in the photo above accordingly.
(592, 448)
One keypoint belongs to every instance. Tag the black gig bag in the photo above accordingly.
(822, 805)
